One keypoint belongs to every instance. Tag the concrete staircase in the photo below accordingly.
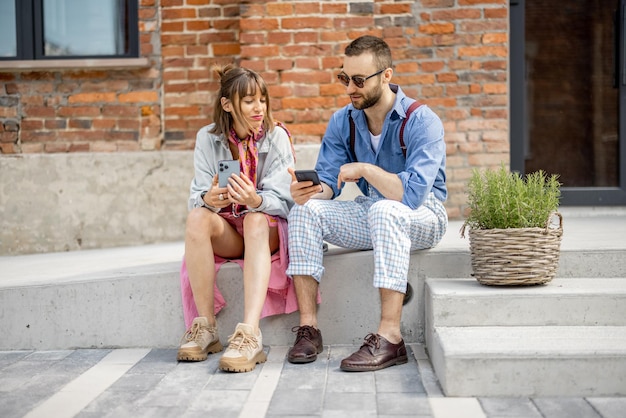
(563, 338)
(567, 338)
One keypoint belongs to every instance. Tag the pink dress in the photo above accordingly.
(281, 295)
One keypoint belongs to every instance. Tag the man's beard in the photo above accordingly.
(369, 100)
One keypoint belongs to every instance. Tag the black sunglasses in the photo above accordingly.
(357, 80)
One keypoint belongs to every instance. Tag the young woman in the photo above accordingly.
(247, 214)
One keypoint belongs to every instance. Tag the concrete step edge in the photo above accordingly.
(533, 342)
(569, 301)
(460, 288)
(529, 361)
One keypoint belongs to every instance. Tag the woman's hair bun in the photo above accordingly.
(221, 70)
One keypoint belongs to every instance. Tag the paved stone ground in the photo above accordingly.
(117, 383)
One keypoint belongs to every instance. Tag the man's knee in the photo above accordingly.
(295, 213)
(300, 213)
(383, 207)
(384, 213)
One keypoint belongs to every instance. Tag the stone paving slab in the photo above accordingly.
(151, 383)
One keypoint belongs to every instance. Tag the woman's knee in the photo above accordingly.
(199, 223)
(255, 225)
(255, 220)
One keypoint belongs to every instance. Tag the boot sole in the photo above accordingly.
(356, 368)
(238, 365)
(302, 359)
(189, 355)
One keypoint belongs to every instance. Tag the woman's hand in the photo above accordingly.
(242, 191)
(217, 196)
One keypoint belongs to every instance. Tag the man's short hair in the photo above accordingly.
(375, 46)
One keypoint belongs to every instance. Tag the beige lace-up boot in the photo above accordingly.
(245, 350)
(199, 341)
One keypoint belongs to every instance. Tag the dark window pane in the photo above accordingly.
(84, 27)
(572, 105)
(8, 37)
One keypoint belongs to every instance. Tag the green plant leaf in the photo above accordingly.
(501, 199)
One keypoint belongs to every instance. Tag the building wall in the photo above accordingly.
(86, 109)
(449, 54)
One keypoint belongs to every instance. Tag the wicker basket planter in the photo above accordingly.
(516, 256)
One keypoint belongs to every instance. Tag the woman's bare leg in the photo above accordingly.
(205, 231)
(261, 241)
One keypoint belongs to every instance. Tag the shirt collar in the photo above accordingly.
(398, 110)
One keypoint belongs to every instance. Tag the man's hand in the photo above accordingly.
(349, 173)
(302, 191)
(388, 184)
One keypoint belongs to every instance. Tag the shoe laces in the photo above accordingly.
(195, 333)
(192, 333)
(305, 332)
(372, 342)
(240, 340)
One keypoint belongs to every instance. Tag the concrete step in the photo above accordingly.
(530, 360)
(582, 301)
(130, 296)
(528, 340)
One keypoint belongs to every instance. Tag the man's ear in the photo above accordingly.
(387, 74)
(226, 105)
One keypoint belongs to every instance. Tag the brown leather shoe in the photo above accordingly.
(307, 346)
(376, 353)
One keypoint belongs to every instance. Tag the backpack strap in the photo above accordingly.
(352, 134)
(410, 110)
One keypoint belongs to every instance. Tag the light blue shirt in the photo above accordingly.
(421, 172)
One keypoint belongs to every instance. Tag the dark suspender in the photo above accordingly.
(410, 110)
(352, 135)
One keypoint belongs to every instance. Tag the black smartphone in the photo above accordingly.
(226, 168)
(304, 175)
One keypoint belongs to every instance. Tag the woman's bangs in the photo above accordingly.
(247, 87)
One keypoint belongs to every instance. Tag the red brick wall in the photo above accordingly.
(450, 54)
(195, 34)
(86, 110)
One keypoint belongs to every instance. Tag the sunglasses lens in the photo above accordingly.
(344, 79)
(358, 81)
